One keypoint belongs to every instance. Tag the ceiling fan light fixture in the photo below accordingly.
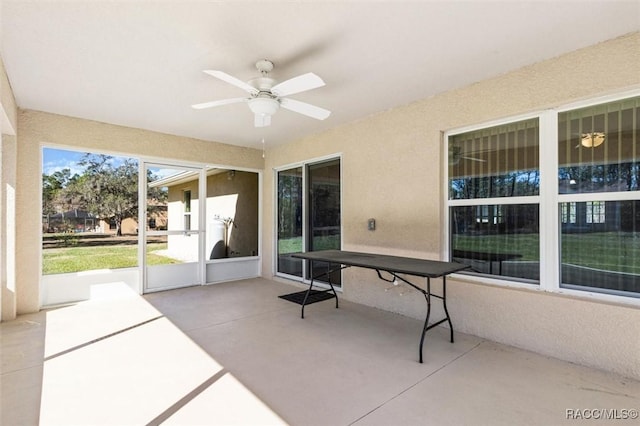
(264, 106)
(592, 139)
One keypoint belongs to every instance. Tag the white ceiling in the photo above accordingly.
(139, 63)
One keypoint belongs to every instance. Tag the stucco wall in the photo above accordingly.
(8, 166)
(241, 188)
(36, 129)
(393, 169)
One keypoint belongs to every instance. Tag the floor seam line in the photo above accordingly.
(23, 369)
(416, 383)
(185, 330)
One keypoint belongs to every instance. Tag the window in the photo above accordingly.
(89, 211)
(494, 181)
(569, 222)
(568, 212)
(289, 232)
(595, 211)
(186, 205)
(309, 215)
(599, 173)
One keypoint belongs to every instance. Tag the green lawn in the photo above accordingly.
(76, 259)
(526, 245)
(294, 245)
(610, 251)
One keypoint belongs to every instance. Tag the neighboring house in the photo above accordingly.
(82, 221)
(70, 221)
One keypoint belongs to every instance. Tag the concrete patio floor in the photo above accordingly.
(234, 353)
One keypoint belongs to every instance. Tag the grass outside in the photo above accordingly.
(608, 251)
(294, 245)
(77, 259)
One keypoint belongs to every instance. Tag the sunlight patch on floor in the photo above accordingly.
(115, 360)
(113, 307)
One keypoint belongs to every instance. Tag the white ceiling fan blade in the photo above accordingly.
(218, 103)
(262, 120)
(232, 80)
(305, 108)
(298, 84)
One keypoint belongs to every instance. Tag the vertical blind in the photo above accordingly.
(599, 148)
(500, 161)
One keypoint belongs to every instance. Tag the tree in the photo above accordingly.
(54, 196)
(107, 190)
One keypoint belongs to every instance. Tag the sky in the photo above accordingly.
(54, 160)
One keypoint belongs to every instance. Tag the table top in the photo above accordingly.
(383, 262)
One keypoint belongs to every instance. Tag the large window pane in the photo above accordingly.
(599, 148)
(500, 161)
(172, 197)
(324, 211)
(604, 253)
(89, 211)
(290, 191)
(500, 240)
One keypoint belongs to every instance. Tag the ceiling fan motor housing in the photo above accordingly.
(263, 84)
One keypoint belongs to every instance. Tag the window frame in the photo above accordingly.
(549, 201)
(528, 199)
(305, 209)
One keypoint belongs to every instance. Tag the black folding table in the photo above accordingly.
(394, 266)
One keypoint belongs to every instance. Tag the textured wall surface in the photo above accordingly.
(8, 165)
(393, 171)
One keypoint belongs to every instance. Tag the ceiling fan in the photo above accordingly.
(266, 95)
(456, 154)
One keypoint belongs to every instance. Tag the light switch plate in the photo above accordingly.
(371, 224)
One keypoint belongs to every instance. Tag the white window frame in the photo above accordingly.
(548, 201)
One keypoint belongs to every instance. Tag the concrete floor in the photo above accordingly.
(235, 353)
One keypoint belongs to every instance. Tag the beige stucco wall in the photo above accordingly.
(36, 129)
(234, 196)
(393, 171)
(8, 166)
(243, 189)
